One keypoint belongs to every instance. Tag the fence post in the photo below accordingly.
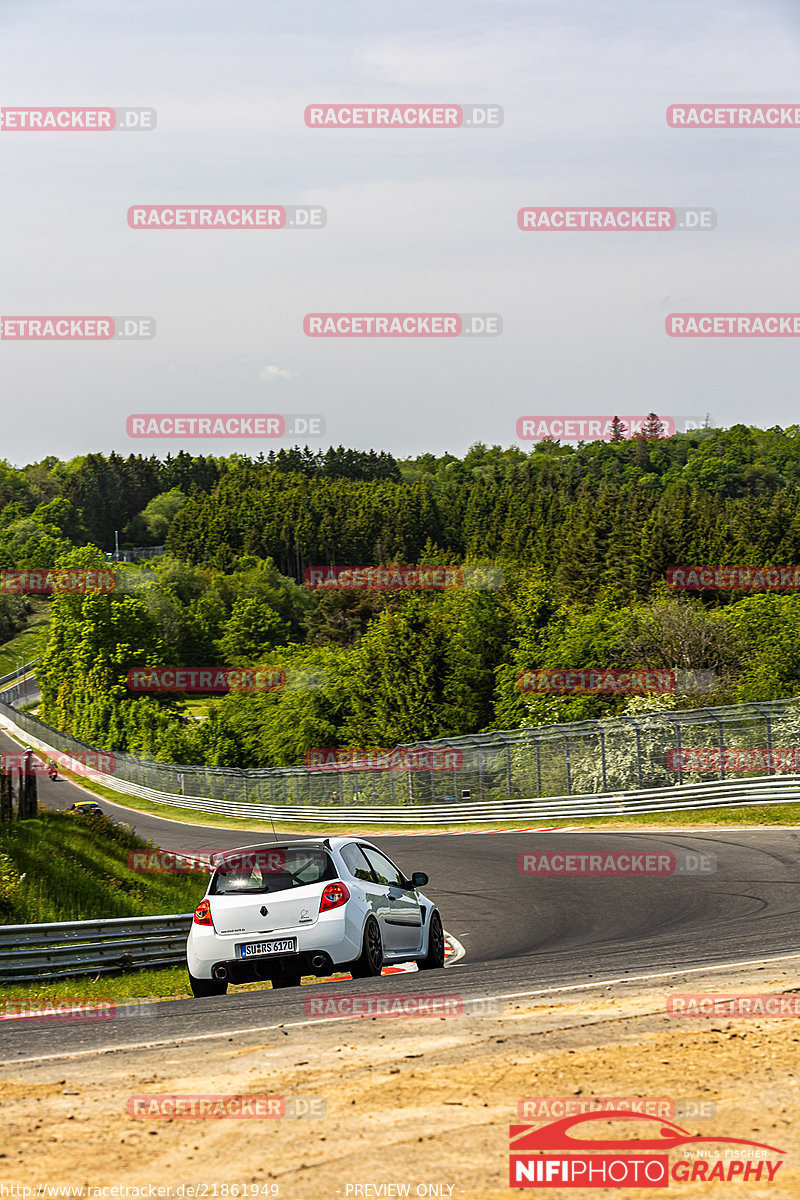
(508, 767)
(721, 740)
(33, 794)
(27, 798)
(638, 748)
(538, 766)
(602, 752)
(679, 748)
(768, 723)
(6, 805)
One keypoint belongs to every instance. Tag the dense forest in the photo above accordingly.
(579, 540)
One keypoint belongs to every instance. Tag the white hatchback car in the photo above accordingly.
(286, 909)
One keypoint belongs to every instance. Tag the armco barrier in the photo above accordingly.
(14, 675)
(765, 790)
(506, 763)
(60, 949)
(20, 684)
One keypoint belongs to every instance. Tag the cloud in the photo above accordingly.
(270, 373)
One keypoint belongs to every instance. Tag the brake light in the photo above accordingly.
(334, 895)
(202, 914)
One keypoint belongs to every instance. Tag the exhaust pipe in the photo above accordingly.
(220, 972)
(318, 961)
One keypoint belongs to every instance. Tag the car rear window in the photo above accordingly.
(276, 869)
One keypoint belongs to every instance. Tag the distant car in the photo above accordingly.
(286, 909)
(86, 808)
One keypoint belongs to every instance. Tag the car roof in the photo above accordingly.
(325, 843)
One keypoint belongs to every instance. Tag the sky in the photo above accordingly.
(418, 220)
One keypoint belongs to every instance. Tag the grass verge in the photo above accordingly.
(30, 641)
(165, 983)
(58, 867)
(169, 983)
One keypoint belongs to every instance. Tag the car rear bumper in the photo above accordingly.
(273, 966)
(322, 948)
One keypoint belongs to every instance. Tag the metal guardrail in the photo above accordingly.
(587, 758)
(20, 684)
(726, 793)
(765, 790)
(136, 553)
(25, 688)
(58, 950)
(12, 675)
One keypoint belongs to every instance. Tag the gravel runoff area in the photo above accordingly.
(415, 1106)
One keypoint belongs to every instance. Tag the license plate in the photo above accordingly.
(281, 946)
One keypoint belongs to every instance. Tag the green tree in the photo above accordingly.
(251, 631)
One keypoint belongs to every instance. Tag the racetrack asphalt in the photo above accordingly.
(522, 934)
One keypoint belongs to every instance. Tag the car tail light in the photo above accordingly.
(334, 896)
(202, 914)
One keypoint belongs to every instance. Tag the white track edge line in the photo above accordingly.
(231, 1033)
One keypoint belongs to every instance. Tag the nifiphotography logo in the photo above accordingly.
(565, 1153)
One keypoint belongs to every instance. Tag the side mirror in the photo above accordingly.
(419, 879)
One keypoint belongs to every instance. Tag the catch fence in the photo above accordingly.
(645, 752)
(57, 949)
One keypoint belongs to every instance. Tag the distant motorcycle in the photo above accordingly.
(52, 771)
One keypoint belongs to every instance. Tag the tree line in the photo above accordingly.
(581, 538)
